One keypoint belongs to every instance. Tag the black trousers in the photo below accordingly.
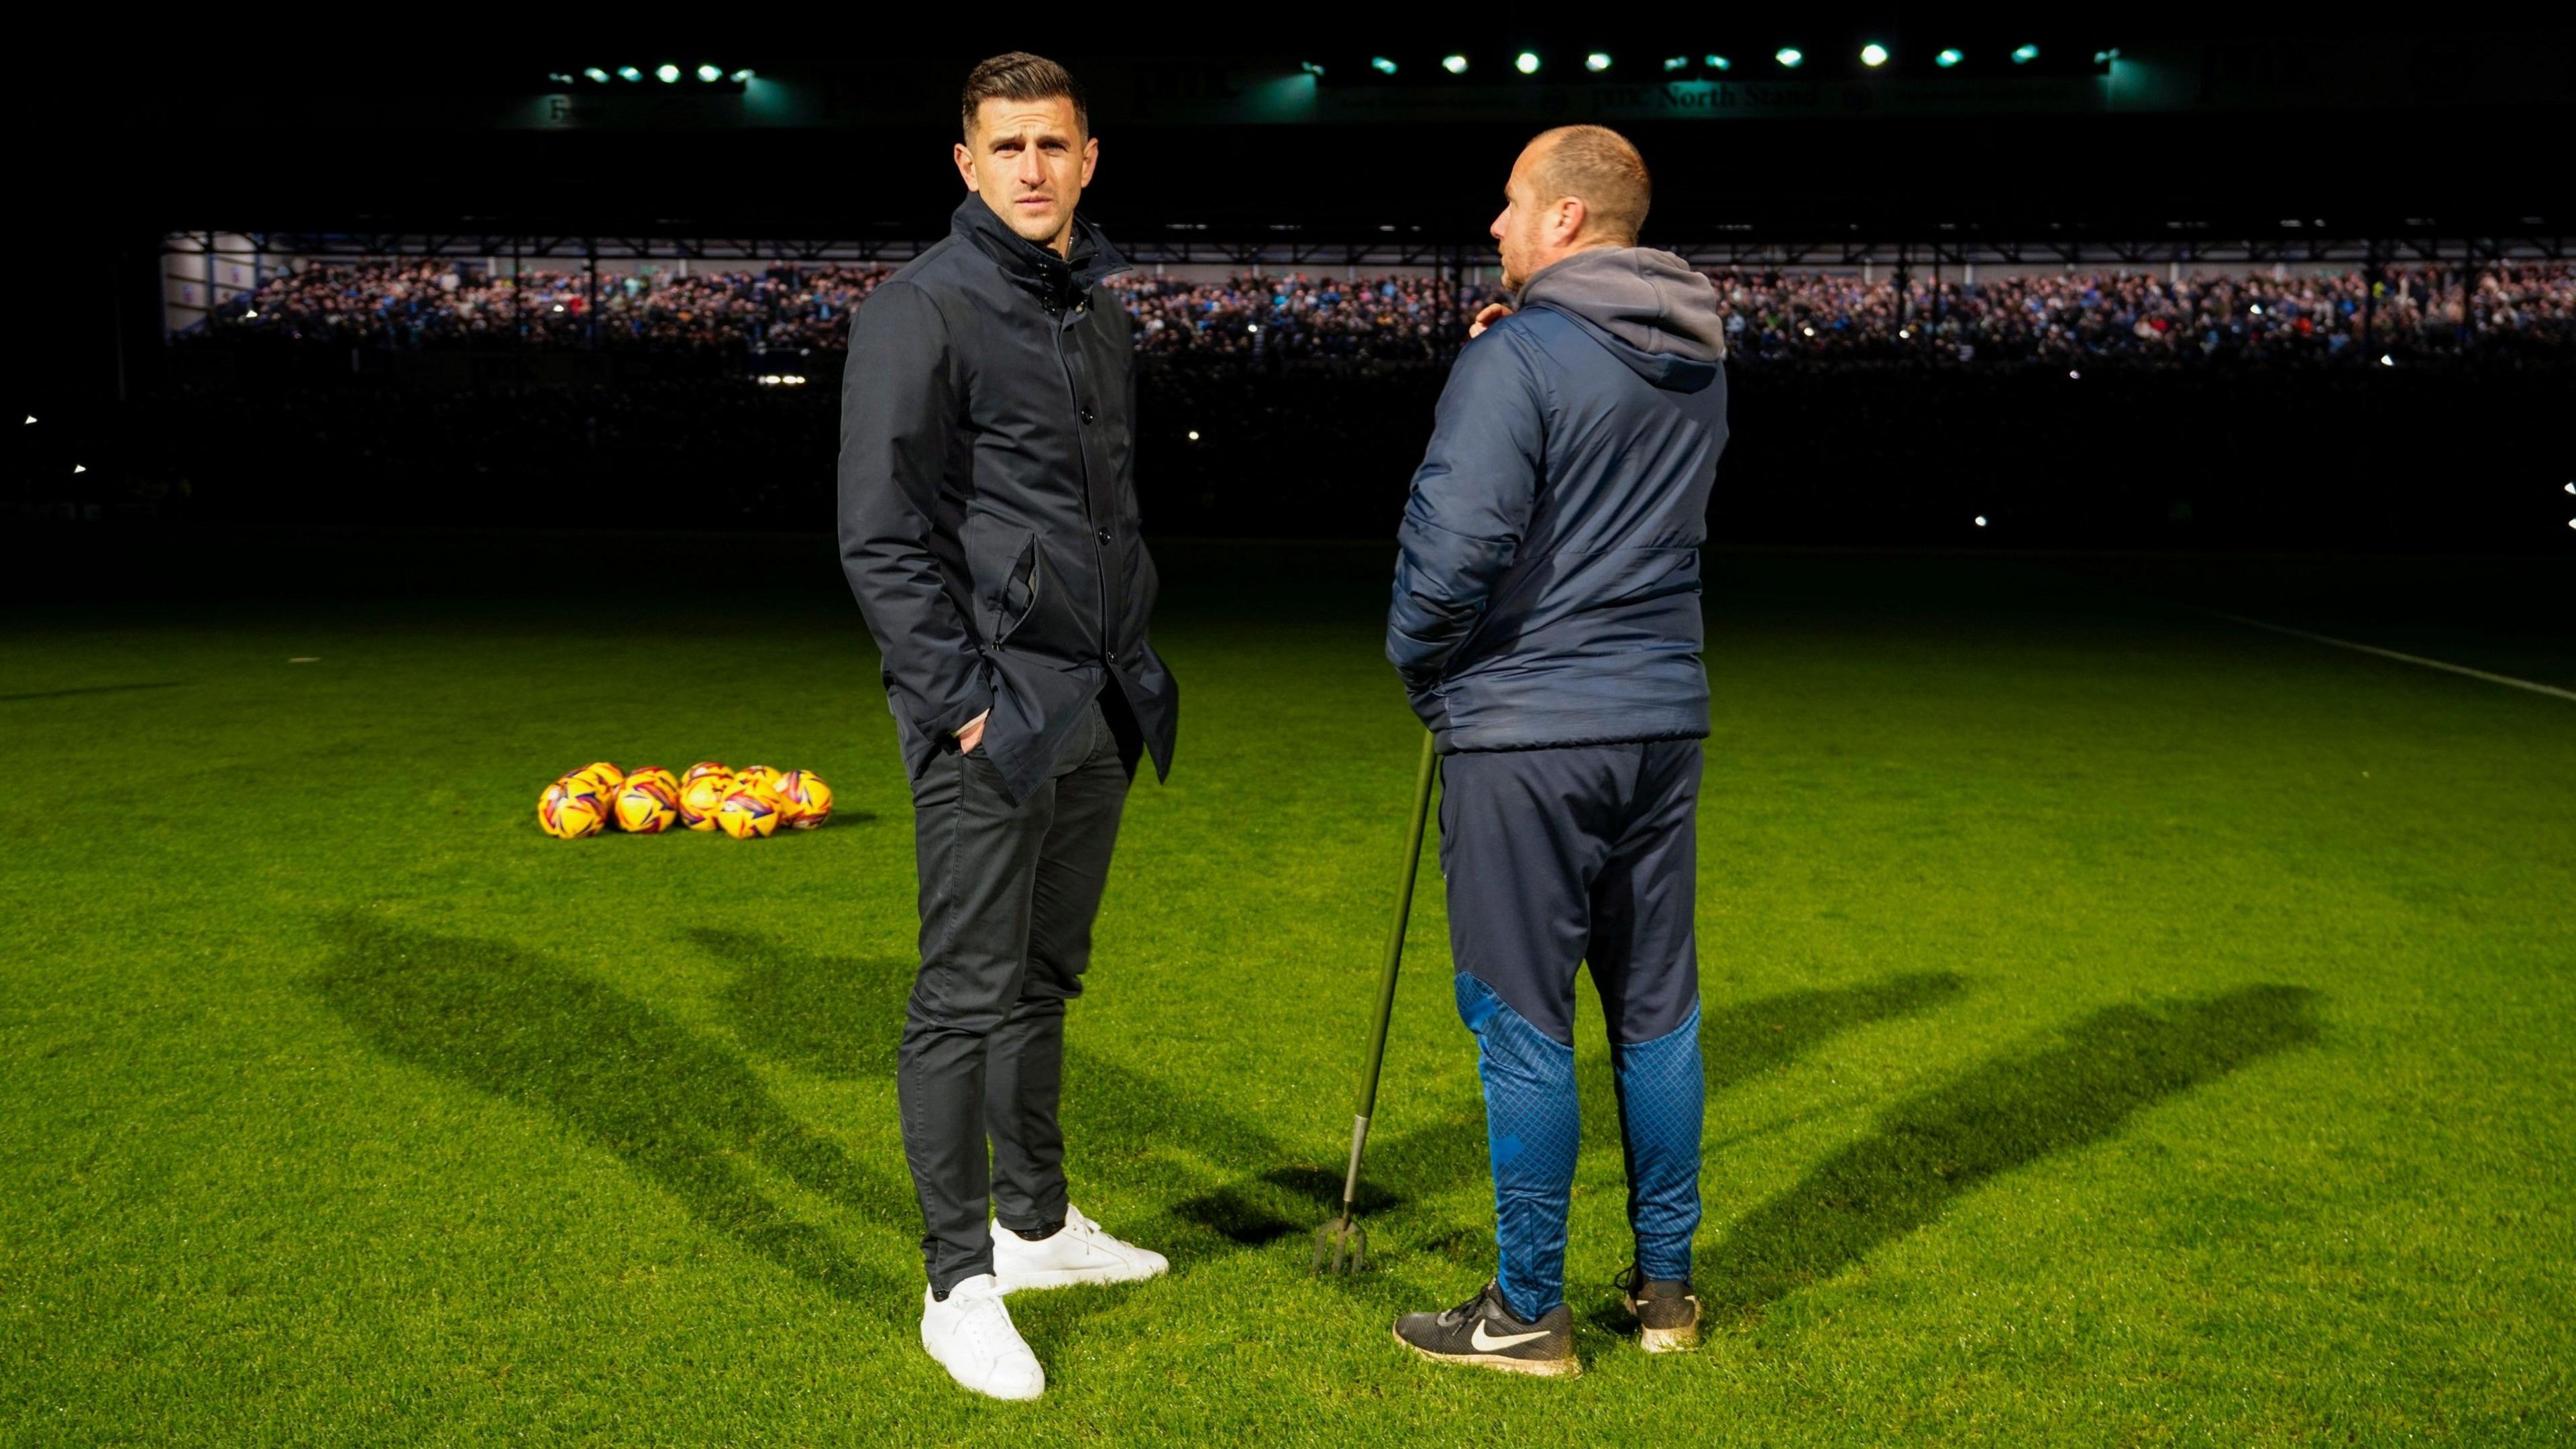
(1008, 893)
(1558, 858)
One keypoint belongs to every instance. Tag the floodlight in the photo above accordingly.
(1948, 58)
(1194, 435)
(2387, 361)
(1454, 64)
(80, 468)
(1310, 68)
(559, 77)
(668, 74)
(2570, 487)
(250, 314)
(2105, 57)
(1717, 62)
(1597, 62)
(743, 74)
(2025, 55)
(1790, 57)
(1381, 65)
(710, 74)
(1676, 62)
(628, 72)
(1526, 63)
(1873, 55)
(595, 73)
(1981, 520)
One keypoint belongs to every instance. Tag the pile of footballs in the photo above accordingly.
(746, 804)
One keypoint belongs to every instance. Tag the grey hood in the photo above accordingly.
(1647, 306)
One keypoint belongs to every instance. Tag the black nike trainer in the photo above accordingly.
(1667, 1312)
(1482, 1331)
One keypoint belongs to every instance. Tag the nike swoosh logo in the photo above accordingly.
(1487, 1344)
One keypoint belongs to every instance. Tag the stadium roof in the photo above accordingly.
(2138, 127)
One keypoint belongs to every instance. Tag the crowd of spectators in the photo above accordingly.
(1773, 317)
(1382, 319)
(435, 303)
(2068, 318)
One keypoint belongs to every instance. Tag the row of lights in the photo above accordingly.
(666, 73)
(1789, 57)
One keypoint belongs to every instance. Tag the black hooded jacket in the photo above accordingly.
(988, 500)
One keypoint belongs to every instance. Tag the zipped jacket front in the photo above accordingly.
(1547, 584)
(988, 512)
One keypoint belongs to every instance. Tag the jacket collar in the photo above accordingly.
(1054, 278)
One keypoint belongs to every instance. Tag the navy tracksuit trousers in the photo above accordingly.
(1555, 858)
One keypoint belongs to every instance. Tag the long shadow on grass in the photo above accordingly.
(1223, 1182)
(842, 1017)
(2001, 1116)
(1202, 1182)
(838, 1017)
(671, 1104)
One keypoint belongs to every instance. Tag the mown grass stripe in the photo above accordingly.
(2505, 679)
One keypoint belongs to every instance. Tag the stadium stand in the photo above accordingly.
(1774, 317)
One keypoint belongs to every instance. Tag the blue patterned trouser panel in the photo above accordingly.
(1532, 1128)
(1661, 1092)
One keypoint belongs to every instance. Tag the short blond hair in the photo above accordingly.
(1600, 168)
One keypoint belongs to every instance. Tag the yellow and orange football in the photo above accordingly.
(748, 813)
(705, 767)
(808, 799)
(570, 809)
(603, 776)
(667, 780)
(763, 777)
(700, 797)
(647, 806)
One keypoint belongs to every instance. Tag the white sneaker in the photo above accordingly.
(971, 1334)
(1078, 1252)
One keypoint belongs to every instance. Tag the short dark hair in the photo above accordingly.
(1601, 168)
(1020, 76)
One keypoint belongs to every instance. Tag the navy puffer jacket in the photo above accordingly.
(1548, 588)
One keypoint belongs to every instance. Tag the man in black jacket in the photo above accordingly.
(988, 528)
(1546, 621)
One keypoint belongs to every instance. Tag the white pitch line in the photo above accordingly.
(2506, 679)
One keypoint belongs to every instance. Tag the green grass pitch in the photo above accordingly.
(2123, 1027)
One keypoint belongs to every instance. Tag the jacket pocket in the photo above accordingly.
(1019, 592)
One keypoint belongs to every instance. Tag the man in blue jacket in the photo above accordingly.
(1546, 621)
